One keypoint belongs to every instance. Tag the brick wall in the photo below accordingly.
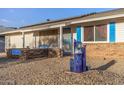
(105, 50)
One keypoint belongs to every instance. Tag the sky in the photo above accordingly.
(18, 17)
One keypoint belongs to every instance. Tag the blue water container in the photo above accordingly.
(78, 66)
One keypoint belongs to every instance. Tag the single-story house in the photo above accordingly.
(104, 27)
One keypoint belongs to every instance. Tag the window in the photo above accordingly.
(89, 33)
(101, 33)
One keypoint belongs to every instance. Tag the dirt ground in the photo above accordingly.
(55, 71)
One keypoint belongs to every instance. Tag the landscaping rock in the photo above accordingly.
(51, 72)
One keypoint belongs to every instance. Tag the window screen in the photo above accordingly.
(101, 33)
(89, 33)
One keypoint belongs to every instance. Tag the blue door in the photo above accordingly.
(78, 31)
(112, 32)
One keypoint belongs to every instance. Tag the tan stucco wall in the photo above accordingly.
(32, 39)
(14, 40)
(29, 40)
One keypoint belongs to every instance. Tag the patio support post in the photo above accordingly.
(35, 39)
(23, 39)
(61, 37)
(72, 38)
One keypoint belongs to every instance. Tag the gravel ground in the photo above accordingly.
(54, 71)
(115, 65)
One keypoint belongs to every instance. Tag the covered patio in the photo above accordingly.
(58, 37)
(39, 42)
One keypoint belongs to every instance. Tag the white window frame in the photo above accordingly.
(107, 41)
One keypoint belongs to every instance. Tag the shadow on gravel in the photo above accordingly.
(106, 66)
(7, 60)
(35, 59)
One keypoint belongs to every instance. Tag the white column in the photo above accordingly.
(34, 34)
(73, 37)
(82, 34)
(94, 33)
(61, 37)
(23, 40)
(108, 32)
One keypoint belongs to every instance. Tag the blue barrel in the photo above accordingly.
(71, 65)
(78, 63)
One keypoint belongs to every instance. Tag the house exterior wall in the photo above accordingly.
(105, 50)
(29, 40)
(120, 32)
(14, 41)
(115, 32)
(51, 37)
(7, 42)
(78, 34)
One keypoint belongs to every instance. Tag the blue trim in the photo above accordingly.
(112, 32)
(78, 31)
